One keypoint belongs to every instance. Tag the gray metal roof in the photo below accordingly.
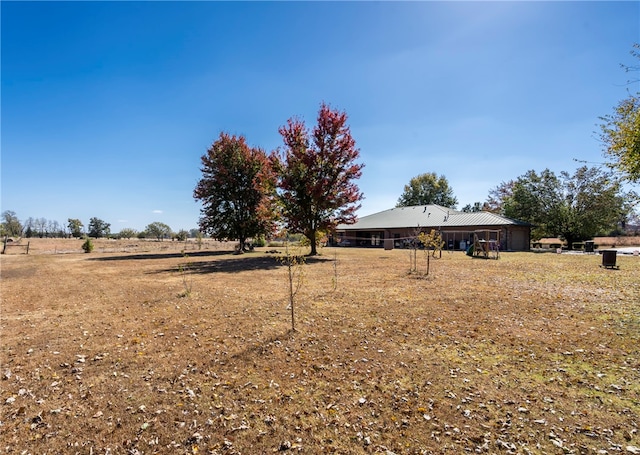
(430, 216)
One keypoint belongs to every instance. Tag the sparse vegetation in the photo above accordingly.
(127, 233)
(534, 353)
(185, 272)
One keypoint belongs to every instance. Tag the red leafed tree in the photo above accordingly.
(236, 190)
(316, 173)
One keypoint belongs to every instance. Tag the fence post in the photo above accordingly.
(28, 243)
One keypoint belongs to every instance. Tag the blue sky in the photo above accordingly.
(107, 107)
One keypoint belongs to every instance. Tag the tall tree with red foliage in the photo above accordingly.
(316, 173)
(236, 190)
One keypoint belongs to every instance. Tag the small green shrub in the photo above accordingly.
(259, 241)
(87, 246)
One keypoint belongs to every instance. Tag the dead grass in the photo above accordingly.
(104, 353)
(66, 246)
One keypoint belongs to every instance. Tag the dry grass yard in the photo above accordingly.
(109, 353)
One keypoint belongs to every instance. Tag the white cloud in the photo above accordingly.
(157, 211)
(123, 221)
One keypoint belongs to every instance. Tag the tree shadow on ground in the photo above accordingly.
(139, 256)
(238, 263)
(263, 348)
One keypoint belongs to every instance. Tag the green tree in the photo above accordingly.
(574, 207)
(87, 246)
(158, 230)
(316, 175)
(11, 225)
(182, 235)
(427, 189)
(476, 207)
(127, 233)
(236, 191)
(75, 227)
(98, 228)
(620, 132)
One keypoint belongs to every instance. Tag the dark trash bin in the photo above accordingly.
(588, 246)
(609, 258)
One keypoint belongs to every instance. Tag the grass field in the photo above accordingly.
(144, 350)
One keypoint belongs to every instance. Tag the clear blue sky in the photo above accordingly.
(107, 107)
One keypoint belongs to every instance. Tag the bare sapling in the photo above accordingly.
(413, 251)
(294, 261)
(185, 273)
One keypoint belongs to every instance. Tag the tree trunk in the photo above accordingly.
(312, 242)
(569, 239)
(242, 242)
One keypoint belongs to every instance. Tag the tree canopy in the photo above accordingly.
(574, 207)
(10, 225)
(476, 207)
(236, 190)
(620, 131)
(75, 227)
(427, 189)
(158, 230)
(316, 174)
(98, 228)
(497, 196)
(127, 233)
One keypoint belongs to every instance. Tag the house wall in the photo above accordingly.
(519, 238)
(512, 238)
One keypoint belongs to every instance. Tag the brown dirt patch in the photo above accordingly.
(104, 353)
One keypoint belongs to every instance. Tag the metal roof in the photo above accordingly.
(430, 216)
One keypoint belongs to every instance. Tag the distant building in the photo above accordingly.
(401, 225)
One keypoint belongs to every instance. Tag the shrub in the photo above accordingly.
(87, 246)
(259, 241)
(181, 235)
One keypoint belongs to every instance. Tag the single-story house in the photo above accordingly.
(400, 226)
